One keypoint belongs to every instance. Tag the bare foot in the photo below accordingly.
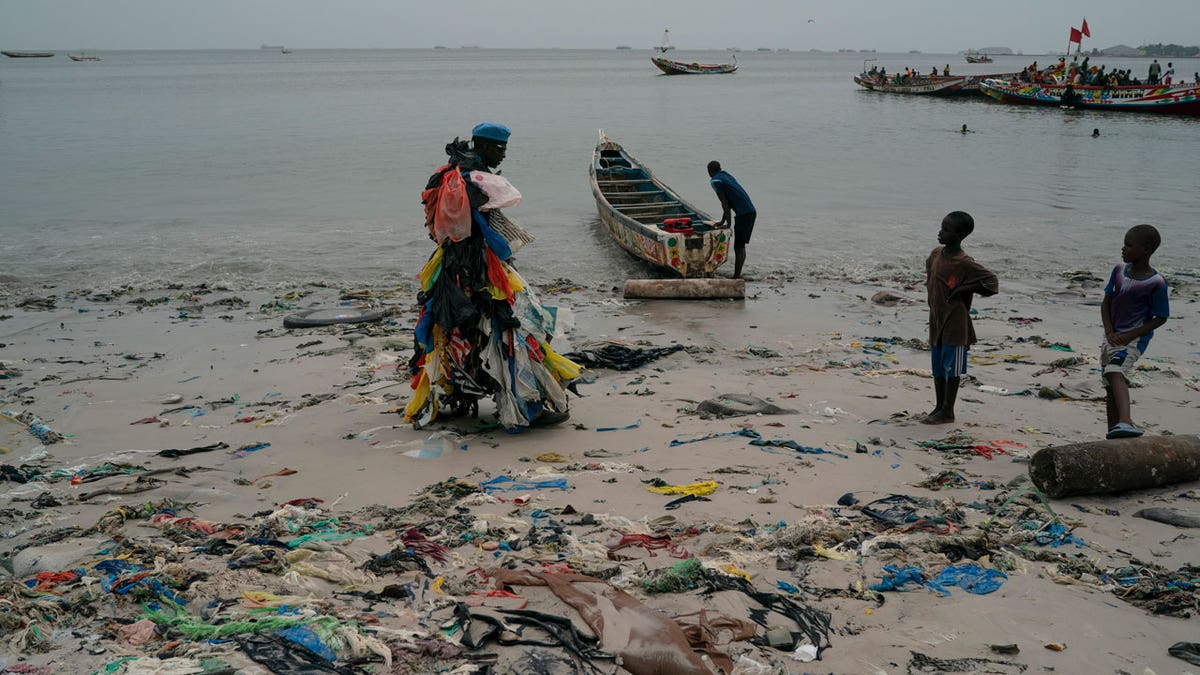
(938, 417)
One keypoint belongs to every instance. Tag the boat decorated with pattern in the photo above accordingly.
(650, 220)
(670, 67)
(1178, 99)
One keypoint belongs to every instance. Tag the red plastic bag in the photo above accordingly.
(453, 216)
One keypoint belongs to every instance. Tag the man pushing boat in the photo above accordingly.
(733, 199)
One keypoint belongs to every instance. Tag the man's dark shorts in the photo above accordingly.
(743, 227)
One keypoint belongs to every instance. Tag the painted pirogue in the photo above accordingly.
(649, 219)
(1179, 99)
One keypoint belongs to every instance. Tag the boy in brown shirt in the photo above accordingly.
(952, 278)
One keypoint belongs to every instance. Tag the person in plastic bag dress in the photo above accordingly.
(482, 331)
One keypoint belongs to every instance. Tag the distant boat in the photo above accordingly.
(670, 67)
(974, 57)
(732, 49)
(82, 57)
(439, 46)
(666, 45)
(764, 49)
(28, 55)
(624, 47)
(284, 50)
(271, 47)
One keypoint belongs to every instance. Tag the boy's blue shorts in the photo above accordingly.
(948, 361)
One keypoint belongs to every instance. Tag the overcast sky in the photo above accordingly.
(885, 25)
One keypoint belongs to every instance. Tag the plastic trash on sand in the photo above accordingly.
(805, 653)
(435, 446)
(748, 666)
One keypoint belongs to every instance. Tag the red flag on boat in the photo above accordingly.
(1076, 36)
(1085, 30)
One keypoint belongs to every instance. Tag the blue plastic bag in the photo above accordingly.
(971, 578)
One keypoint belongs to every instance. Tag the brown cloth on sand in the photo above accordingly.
(704, 634)
(648, 642)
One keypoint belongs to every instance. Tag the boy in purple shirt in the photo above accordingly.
(1135, 303)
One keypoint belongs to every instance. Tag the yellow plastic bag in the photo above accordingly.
(700, 489)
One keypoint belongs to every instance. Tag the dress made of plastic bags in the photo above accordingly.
(452, 215)
(501, 193)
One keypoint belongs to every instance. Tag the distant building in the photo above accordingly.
(1121, 50)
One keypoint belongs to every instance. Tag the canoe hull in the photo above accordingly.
(28, 55)
(632, 204)
(1174, 100)
(670, 67)
(954, 85)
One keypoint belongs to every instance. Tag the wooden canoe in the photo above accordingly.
(933, 85)
(1177, 99)
(650, 220)
(670, 67)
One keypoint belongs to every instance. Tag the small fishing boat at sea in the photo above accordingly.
(935, 85)
(28, 55)
(670, 67)
(650, 220)
(975, 57)
(1178, 99)
(82, 57)
(925, 85)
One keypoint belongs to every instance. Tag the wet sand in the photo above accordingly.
(124, 381)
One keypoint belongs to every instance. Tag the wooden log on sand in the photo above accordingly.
(685, 288)
(1107, 467)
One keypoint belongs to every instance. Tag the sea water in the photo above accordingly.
(263, 170)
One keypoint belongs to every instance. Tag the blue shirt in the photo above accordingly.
(1134, 301)
(739, 201)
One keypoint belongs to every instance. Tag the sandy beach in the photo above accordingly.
(308, 511)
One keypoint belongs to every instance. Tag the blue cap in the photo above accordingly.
(493, 131)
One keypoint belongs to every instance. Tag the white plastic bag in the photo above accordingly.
(501, 193)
